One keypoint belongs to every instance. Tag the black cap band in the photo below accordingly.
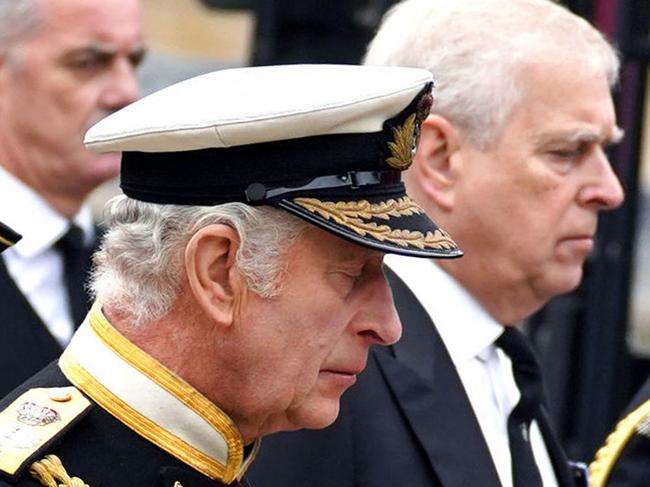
(258, 193)
(216, 176)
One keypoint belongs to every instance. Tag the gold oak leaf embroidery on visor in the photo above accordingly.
(351, 214)
(403, 149)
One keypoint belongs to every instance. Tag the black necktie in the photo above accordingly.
(75, 266)
(529, 382)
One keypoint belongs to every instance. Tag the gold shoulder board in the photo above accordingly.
(33, 421)
(608, 454)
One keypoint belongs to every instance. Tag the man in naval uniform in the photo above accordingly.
(239, 284)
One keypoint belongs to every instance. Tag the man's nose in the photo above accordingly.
(603, 190)
(122, 87)
(380, 324)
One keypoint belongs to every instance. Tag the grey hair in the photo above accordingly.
(139, 266)
(19, 19)
(476, 49)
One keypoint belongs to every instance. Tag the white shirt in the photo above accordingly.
(34, 265)
(469, 333)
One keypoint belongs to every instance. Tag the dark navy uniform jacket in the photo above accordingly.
(111, 416)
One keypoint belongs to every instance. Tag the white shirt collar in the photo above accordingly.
(29, 214)
(465, 327)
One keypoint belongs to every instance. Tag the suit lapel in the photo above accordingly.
(422, 376)
(555, 451)
(18, 316)
(26, 345)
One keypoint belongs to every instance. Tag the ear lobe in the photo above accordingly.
(436, 165)
(211, 272)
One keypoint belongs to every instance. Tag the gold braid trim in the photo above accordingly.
(351, 214)
(608, 454)
(402, 149)
(643, 428)
(49, 470)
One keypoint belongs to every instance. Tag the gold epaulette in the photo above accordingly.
(606, 456)
(33, 421)
(50, 472)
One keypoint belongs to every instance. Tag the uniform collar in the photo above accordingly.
(28, 213)
(466, 328)
(153, 401)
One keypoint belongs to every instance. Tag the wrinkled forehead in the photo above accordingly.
(79, 22)
(556, 97)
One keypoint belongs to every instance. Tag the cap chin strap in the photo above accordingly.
(258, 193)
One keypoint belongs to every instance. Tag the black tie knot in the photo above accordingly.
(515, 344)
(526, 370)
(529, 382)
(72, 241)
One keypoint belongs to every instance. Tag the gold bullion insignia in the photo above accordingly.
(34, 420)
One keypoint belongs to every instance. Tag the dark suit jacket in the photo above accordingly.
(407, 422)
(632, 467)
(103, 452)
(26, 345)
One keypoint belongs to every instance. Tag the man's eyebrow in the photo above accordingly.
(358, 257)
(105, 50)
(350, 258)
(617, 135)
(93, 49)
(582, 136)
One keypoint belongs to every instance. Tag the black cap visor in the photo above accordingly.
(382, 218)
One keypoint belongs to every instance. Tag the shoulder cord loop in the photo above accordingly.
(49, 470)
(607, 455)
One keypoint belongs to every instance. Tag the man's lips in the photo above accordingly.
(343, 375)
(350, 371)
(584, 242)
(339, 378)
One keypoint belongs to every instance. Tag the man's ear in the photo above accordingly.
(212, 274)
(436, 166)
(4, 70)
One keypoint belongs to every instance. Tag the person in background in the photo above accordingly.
(64, 65)
(512, 163)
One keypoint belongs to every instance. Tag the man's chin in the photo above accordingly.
(567, 283)
(318, 416)
(105, 166)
